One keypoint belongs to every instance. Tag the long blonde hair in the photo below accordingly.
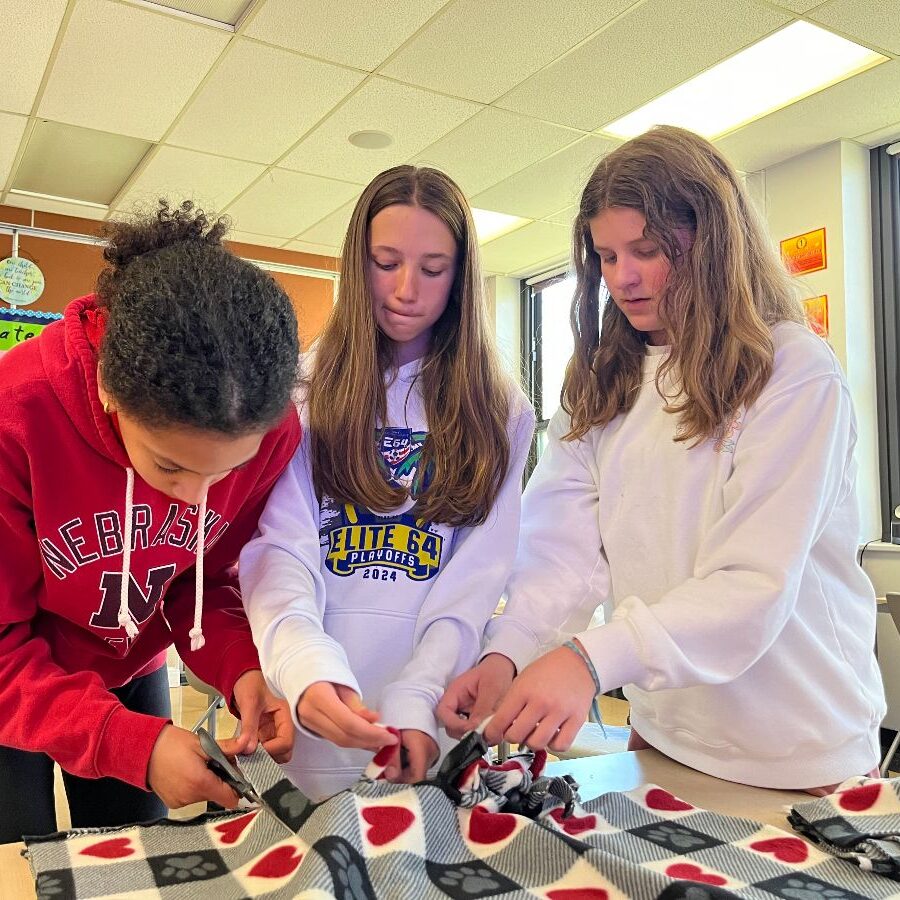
(720, 302)
(465, 393)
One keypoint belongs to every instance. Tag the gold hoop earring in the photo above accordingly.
(106, 407)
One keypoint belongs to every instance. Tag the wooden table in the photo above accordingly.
(595, 774)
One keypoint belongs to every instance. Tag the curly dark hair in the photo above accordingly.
(194, 335)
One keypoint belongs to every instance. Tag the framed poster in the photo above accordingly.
(817, 314)
(805, 253)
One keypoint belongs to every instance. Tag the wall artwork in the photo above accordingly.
(805, 253)
(817, 314)
(20, 325)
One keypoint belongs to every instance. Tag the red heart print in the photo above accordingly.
(383, 756)
(234, 828)
(488, 828)
(388, 823)
(657, 798)
(859, 798)
(687, 872)
(786, 849)
(115, 848)
(578, 894)
(279, 863)
(574, 824)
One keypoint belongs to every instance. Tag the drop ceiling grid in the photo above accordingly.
(515, 39)
(875, 23)
(864, 103)
(358, 34)
(12, 128)
(283, 203)
(127, 70)
(259, 100)
(212, 181)
(413, 117)
(643, 54)
(516, 143)
(548, 185)
(29, 29)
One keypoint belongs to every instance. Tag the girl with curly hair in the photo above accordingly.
(139, 439)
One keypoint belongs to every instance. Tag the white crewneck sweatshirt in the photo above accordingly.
(743, 627)
(391, 606)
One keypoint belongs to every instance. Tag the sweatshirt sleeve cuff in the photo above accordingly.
(407, 709)
(613, 650)
(126, 744)
(321, 661)
(512, 642)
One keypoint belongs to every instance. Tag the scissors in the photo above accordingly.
(220, 765)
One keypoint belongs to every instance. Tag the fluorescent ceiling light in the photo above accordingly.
(781, 69)
(490, 225)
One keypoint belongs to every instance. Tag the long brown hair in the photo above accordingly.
(720, 302)
(465, 393)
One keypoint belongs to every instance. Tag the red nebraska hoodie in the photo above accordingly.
(63, 495)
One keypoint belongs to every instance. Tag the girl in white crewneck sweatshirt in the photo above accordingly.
(700, 477)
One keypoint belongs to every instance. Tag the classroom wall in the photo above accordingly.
(830, 187)
(504, 305)
(70, 269)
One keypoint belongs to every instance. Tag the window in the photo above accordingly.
(885, 168)
(548, 346)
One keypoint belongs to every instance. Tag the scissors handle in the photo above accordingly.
(220, 765)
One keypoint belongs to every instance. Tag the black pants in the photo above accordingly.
(26, 779)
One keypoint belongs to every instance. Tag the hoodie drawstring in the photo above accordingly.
(196, 633)
(124, 619)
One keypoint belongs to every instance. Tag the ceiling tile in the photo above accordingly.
(102, 79)
(563, 217)
(641, 55)
(514, 141)
(332, 228)
(527, 248)
(874, 23)
(11, 130)
(359, 34)
(413, 117)
(864, 103)
(261, 240)
(284, 203)
(259, 101)
(318, 249)
(77, 163)
(515, 39)
(548, 185)
(29, 30)
(210, 181)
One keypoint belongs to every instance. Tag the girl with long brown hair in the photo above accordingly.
(387, 544)
(700, 478)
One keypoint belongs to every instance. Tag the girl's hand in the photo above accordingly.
(416, 753)
(265, 719)
(335, 712)
(546, 704)
(475, 693)
(178, 775)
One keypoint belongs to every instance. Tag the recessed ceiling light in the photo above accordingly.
(370, 140)
(490, 224)
(781, 69)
